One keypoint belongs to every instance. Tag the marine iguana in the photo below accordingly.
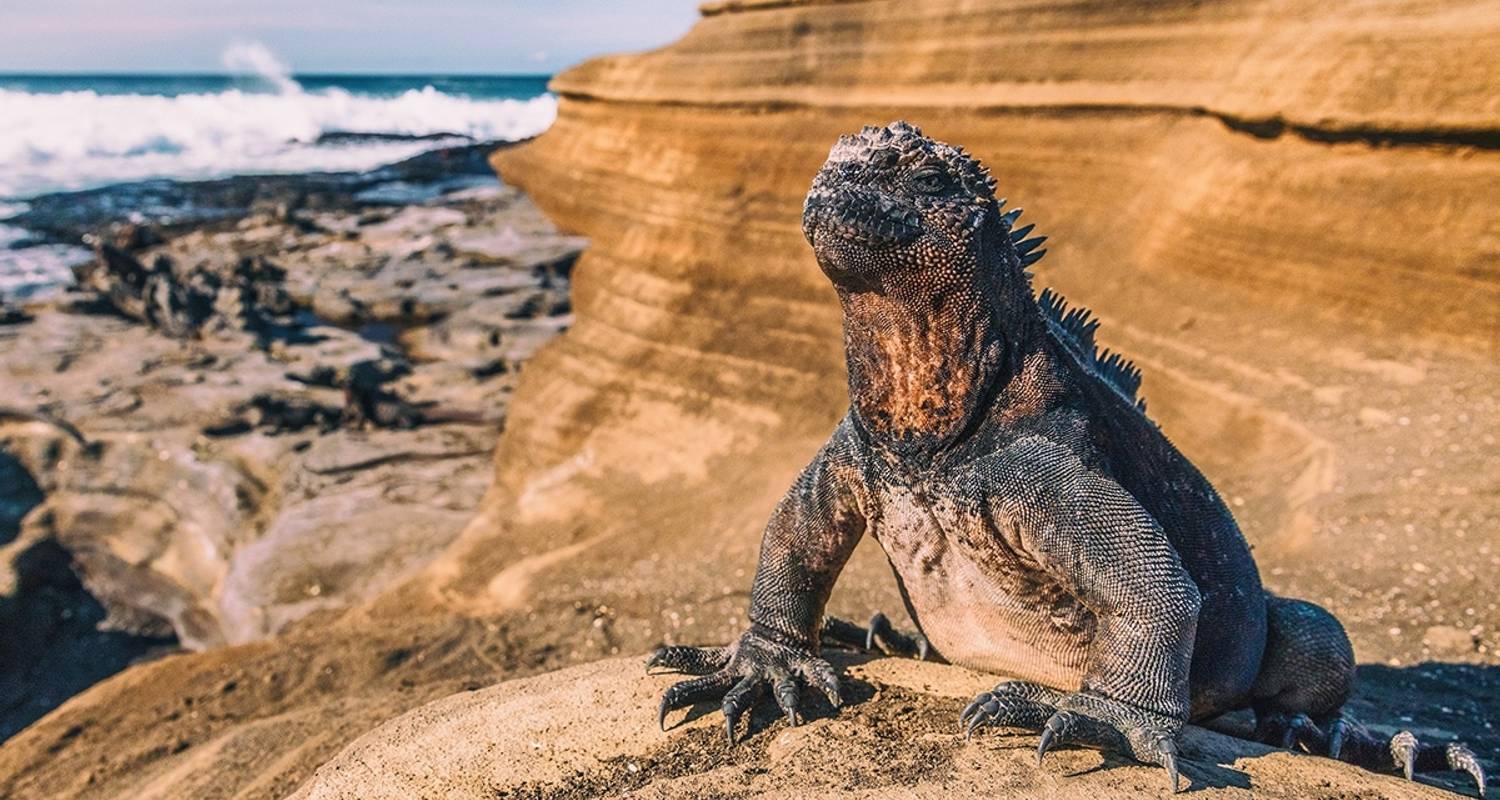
(1040, 525)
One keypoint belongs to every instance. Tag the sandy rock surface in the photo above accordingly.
(590, 730)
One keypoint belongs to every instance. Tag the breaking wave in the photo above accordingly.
(81, 139)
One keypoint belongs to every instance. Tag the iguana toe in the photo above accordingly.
(1293, 732)
(1463, 759)
(697, 690)
(879, 636)
(1013, 704)
(1337, 730)
(1169, 760)
(692, 660)
(882, 637)
(786, 693)
(739, 700)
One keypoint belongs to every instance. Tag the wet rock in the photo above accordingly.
(181, 302)
(174, 207)
(12, 315)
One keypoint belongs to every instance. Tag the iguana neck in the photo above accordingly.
(923, 365)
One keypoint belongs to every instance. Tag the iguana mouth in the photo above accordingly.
(869, 219)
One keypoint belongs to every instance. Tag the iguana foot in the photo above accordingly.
(1345, 739)
(878, 637)
(745, 670)
(1078, 718)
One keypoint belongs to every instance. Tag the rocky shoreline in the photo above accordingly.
(263, 398)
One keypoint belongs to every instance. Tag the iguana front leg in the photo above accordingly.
(806, 543)
(1091, 536)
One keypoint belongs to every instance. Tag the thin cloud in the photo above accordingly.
(334, 35)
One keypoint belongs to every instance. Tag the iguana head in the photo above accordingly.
(938, 308)
(890, 202)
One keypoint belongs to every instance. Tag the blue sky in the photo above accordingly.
(331, 35)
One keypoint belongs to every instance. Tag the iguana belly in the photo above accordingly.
(975, 600)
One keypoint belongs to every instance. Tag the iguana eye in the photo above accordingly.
(928, 181)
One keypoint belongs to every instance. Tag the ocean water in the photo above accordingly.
(69, 132)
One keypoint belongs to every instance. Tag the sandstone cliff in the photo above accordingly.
(1284, 211)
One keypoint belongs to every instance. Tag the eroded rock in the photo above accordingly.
(239, 461)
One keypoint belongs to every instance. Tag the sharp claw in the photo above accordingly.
(1404, 752)
(877, 627)
(820, 674)
(1462, 758)
(661, 714)
(653, 659)
(786, 697)
(1050, 732)
(963, 716)
(1335, 740)
(973, 723)
(922, 647)
(1169, 760)
(739, 700)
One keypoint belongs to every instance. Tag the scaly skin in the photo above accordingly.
(1039, 524)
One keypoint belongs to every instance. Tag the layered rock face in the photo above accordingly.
(1284, 211)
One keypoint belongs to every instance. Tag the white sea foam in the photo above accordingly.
(71, 140)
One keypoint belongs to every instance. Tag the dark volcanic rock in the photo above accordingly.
(168, 206)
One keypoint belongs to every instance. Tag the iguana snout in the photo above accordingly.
(891, 198)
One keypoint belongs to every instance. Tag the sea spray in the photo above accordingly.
(257, 59)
